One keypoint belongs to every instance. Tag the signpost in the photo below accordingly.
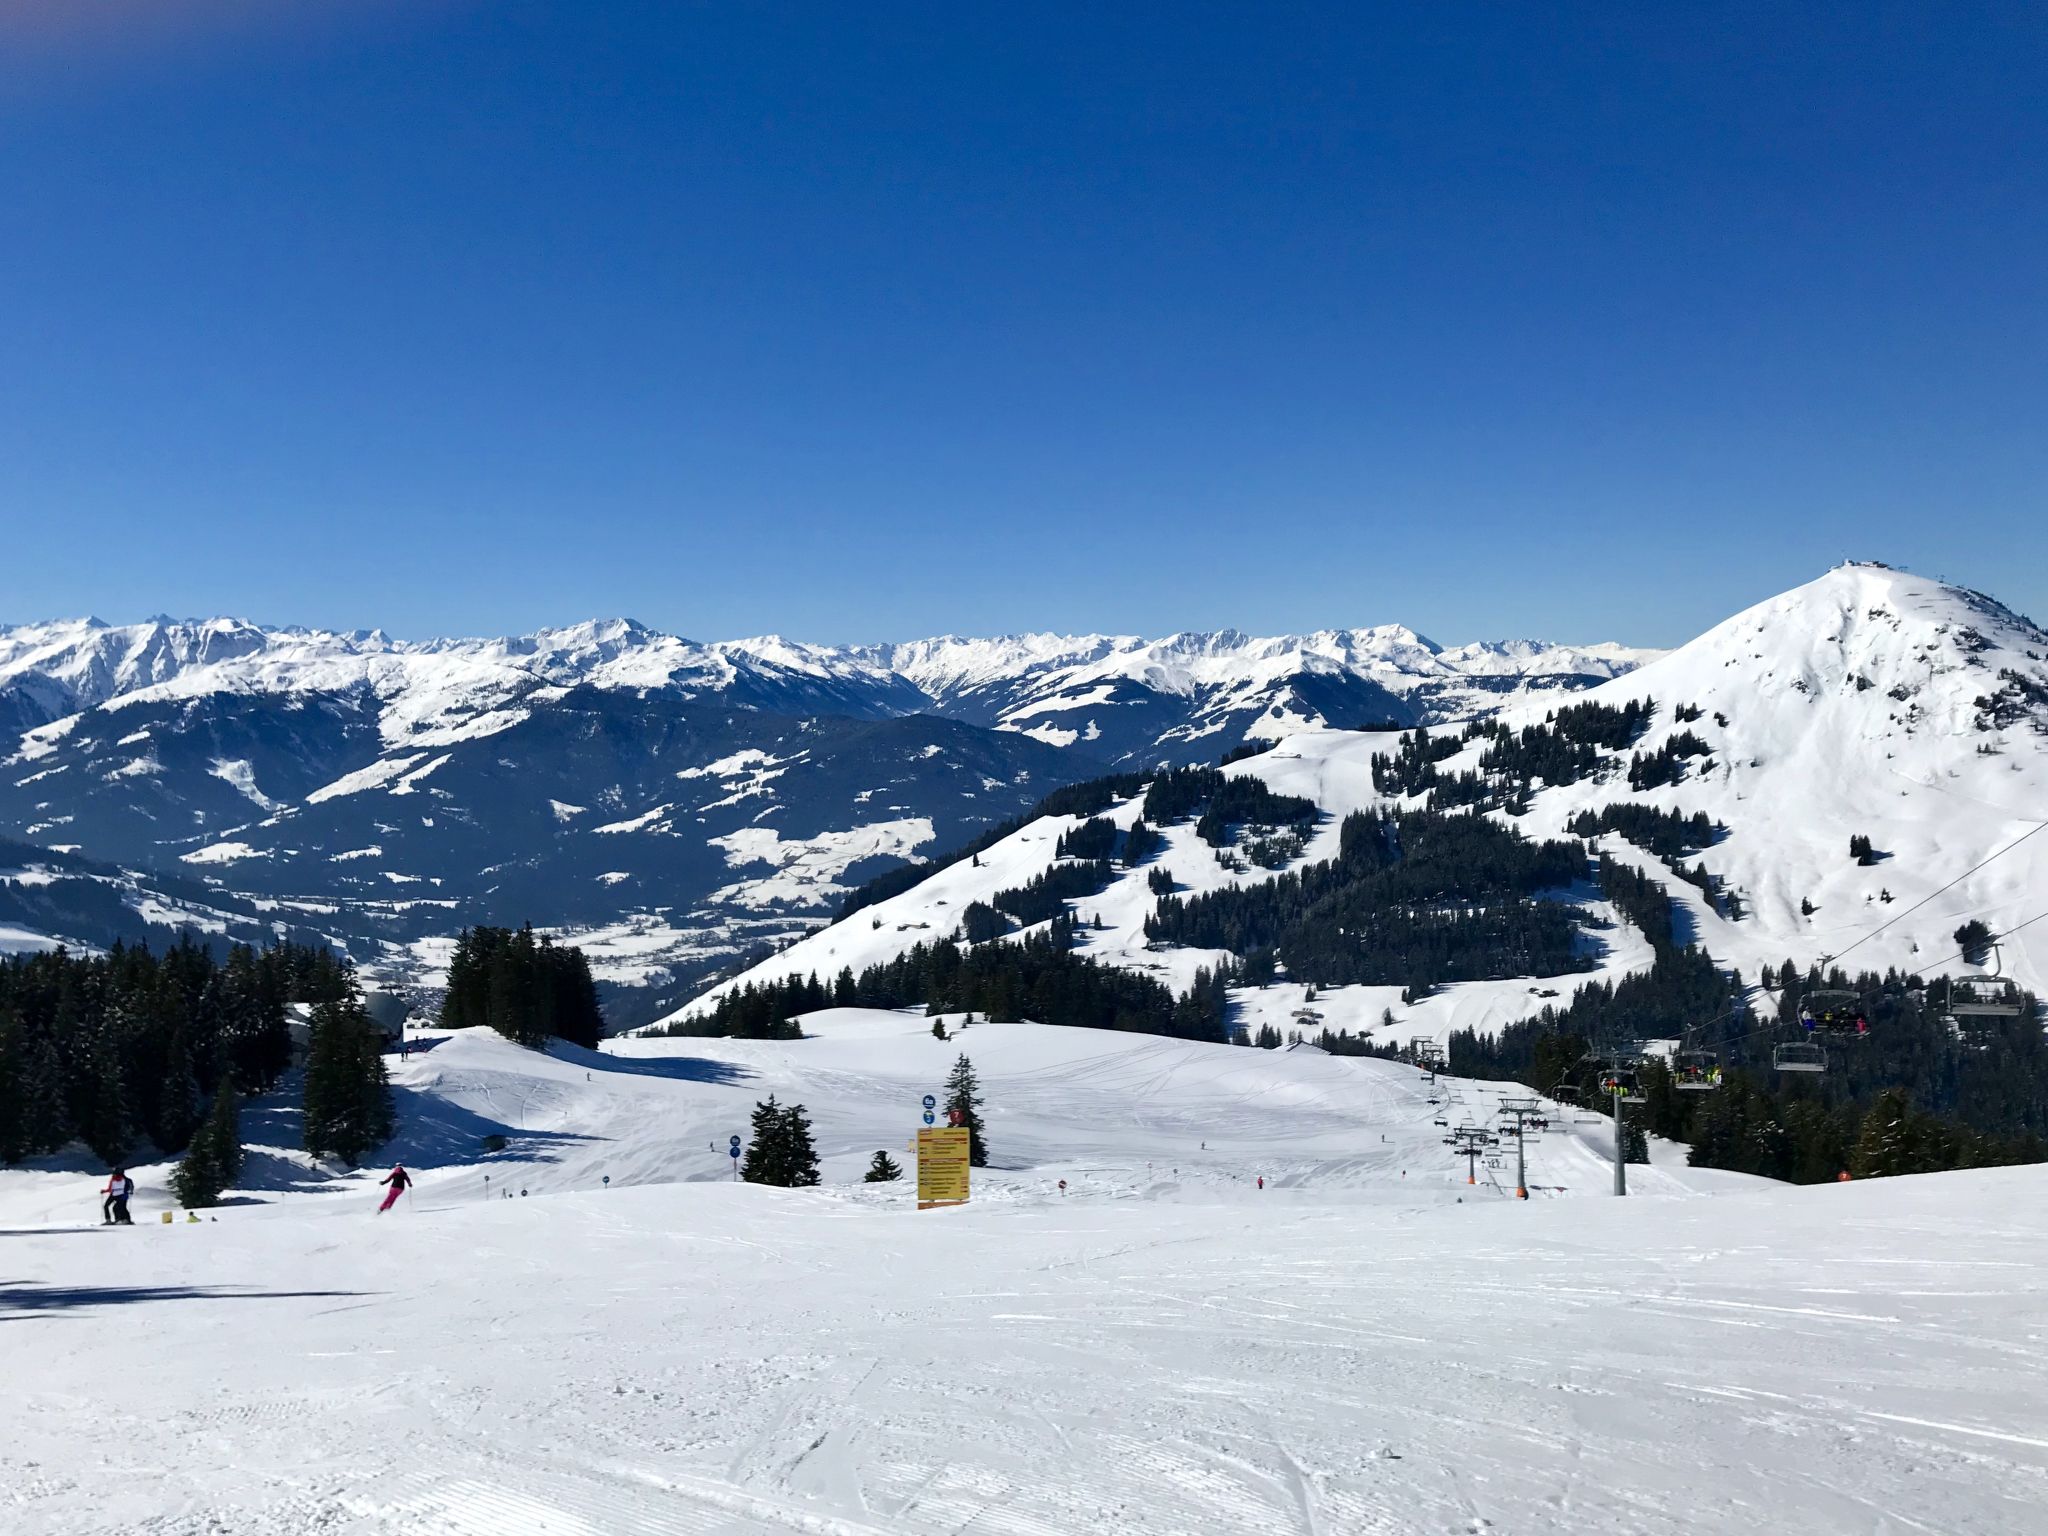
(734, 1151)
(942, 1166)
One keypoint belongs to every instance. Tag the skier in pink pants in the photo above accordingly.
(399, 1180)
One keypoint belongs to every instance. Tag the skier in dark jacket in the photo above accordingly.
(400, 1181)
(114, 1205)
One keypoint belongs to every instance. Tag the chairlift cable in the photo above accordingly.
(1959, 879)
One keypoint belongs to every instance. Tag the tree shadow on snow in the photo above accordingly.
(20, 1299)
(433, 1131)
(680, 1069)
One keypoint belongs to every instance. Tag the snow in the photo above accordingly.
(225, 853)
(807, 870)
(1163, 1349)
(375, 776)
(640, 823)
(240, 774)
(25, 941)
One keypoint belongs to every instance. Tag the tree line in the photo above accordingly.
(136, 1054)
(1412, 897)
(1038, 977)
(527, 988)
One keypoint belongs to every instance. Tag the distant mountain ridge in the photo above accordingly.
(1039, 684)
(676, 803)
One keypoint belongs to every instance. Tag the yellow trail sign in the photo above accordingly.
(942, 1153)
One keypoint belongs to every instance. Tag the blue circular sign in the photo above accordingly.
(735, 1141)
(929, 1117)
(930, 1102)
(734, 1151)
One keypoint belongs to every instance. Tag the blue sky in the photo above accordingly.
(866, 322)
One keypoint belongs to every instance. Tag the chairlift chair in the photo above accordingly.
(1799, 1056)
(1832, 1011)
(1621, 1082)
(1984, 997)
(1696, 1071)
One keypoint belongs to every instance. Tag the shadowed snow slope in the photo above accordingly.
(1164, 1349)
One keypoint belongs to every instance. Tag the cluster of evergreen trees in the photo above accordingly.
(131, 1052)
(1045, 896)
(1565, 749)
(1141, 842)
(780, 1150)
(1411, 768)
(1094, 838)
(528, 989)
(1666, 765)
(1940, 1097)
(1667, 834)
(1413, 898)
(1038, 977)
(122, 1051)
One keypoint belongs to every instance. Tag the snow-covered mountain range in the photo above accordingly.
(1870, 703)
(686, 801)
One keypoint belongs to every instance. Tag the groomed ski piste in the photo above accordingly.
(1367, 1344)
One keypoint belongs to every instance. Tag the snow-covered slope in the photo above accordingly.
(1366, 1344)
(1870, 703)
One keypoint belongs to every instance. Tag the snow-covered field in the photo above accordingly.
(1368, 1344)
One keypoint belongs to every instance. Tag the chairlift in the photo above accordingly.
(1696, 1071)
(1620, 1083)
(1984, 997)
(1832, 1011)
(1799, 1056)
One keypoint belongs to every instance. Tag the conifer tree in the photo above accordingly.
(801, 1153)
(765, 1158)
(780, 1151)
(963, 1099)
(883, 1170)
(1892, 1139)
(347, 1095)
(214, 1158)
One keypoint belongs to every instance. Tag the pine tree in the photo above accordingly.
(780, 1151)
(1893, 1139)
(214, 1159)
(963, 1100)
(767, 1158)
(883, 1170)
(347, 1095)
(801, 1152)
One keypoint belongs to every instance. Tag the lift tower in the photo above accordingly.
(1523, 1110)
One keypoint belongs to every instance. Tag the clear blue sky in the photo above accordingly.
(872, 321)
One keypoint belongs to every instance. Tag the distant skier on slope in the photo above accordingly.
(400, 1181)
(115, 1197)
(1262, 1181)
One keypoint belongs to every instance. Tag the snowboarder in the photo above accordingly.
(1262, 1181)
(114, 1205)
(400, 1181)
